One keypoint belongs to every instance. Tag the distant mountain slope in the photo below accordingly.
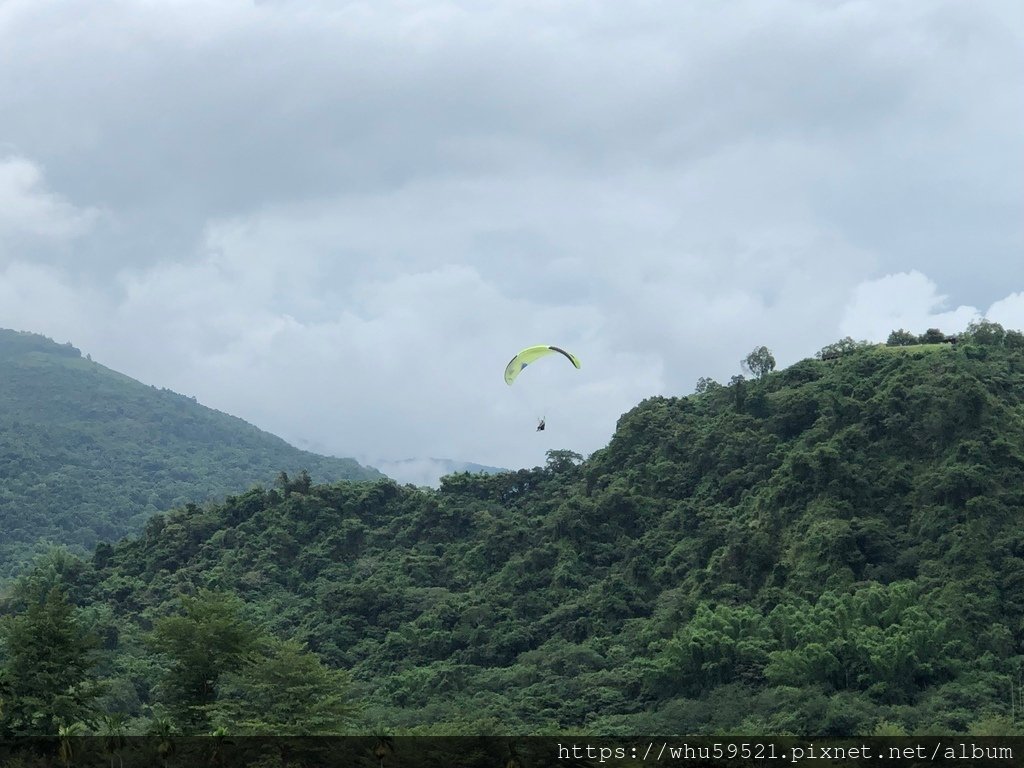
(835, 549)
(88, 454)
(428, 472)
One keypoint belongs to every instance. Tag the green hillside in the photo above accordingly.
(88, 455)
(835, 548)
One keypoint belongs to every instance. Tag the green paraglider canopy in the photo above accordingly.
(530, 354)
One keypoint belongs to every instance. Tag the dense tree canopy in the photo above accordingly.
(834, 548)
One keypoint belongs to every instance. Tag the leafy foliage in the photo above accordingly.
(208, 640)
(46, 681)
(284, 690)
(832, 549)
(901, 338)
(760, 362)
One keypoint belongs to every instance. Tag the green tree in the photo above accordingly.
(759, 363)
(932, 336)
(161, 731)
(1014, 340)
(284, 483)
(901, 338)
(284, 690)
(208, 640)
(705, 384)
(47, 674)
(719, 644)
(115, 737)
(985, 332)
(844, 346)
(738, 384)
(69, 746)
(562, 460)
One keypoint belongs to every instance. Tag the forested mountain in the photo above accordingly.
(88, 455)
(835, 548)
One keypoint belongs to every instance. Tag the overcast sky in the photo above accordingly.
(339, 220)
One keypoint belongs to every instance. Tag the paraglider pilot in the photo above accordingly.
(540, 425)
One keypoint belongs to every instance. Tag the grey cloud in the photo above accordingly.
(311, 196)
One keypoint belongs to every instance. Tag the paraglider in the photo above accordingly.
(530, 355)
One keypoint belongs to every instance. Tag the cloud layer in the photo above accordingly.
(339, 221)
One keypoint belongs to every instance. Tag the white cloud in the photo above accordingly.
(907, 300)
(410, 364)
(27, 208)
(43, 299)
(1008, 311)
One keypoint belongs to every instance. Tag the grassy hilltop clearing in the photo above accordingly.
(834, 548)
(88, 454)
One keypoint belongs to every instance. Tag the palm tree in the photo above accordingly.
(513, 757)
(385, 747)
(114, 739)
(220, 735)
(66, 754)
(162, 729)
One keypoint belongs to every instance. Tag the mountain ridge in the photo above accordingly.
(833, 549)
(69, 424)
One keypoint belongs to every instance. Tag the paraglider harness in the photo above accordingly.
(540, 425)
